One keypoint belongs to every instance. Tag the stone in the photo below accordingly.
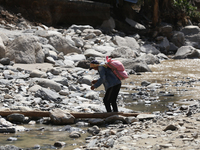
(186, 52)
(19, 118)
(60, 117)
(75, 134)
(26, 50)
(170, 127)
(59, 144)
(62, 44)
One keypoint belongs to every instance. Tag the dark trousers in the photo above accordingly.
(110, 98)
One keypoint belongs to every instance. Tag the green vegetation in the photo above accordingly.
(186, 7)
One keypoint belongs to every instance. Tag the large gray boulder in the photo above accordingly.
(186, 52)
(63, 44)
(25, 49)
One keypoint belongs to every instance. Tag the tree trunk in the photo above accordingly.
(155, 12)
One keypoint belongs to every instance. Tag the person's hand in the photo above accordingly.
(94, 81)
(92, 88)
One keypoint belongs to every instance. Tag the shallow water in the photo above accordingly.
(180, 80)
(44, 138)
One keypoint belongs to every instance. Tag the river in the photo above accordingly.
(180, 85)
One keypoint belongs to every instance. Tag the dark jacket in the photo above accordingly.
(107, 78)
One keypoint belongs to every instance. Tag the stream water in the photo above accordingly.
(180, 80)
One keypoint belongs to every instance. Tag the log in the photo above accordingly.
(75, 114)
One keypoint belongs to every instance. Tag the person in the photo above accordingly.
(111, 84)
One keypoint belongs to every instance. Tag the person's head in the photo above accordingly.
(94, 64)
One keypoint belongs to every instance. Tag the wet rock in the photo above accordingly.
(93, 130)
(16, 118)
(145, 83)
(75, 134)
(7, 130)
(130, 120)
(5, 123)
(12, 139)
(37, 147)
(59, 144)
(82, 124)
(96, 121)
(114, 118)
(9, 147)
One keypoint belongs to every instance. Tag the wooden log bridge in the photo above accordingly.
(75, 114)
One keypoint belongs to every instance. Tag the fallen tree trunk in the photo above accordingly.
(75, 114)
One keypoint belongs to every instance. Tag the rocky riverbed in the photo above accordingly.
(46, 69)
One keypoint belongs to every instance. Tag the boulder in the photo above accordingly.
(19, 118)
(47, 94)
(108, 25)
(49, 84)
(186, 52)
(138, 65)
(178, 39)
(148, 48)
(38, 73)
(124, 52)
(190, 30)
(150, 59)
(63, 44)
(59, 117)
(25, 49)
(126, 41)
(193, 40)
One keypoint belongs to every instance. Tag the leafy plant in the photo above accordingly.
(186, 7)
